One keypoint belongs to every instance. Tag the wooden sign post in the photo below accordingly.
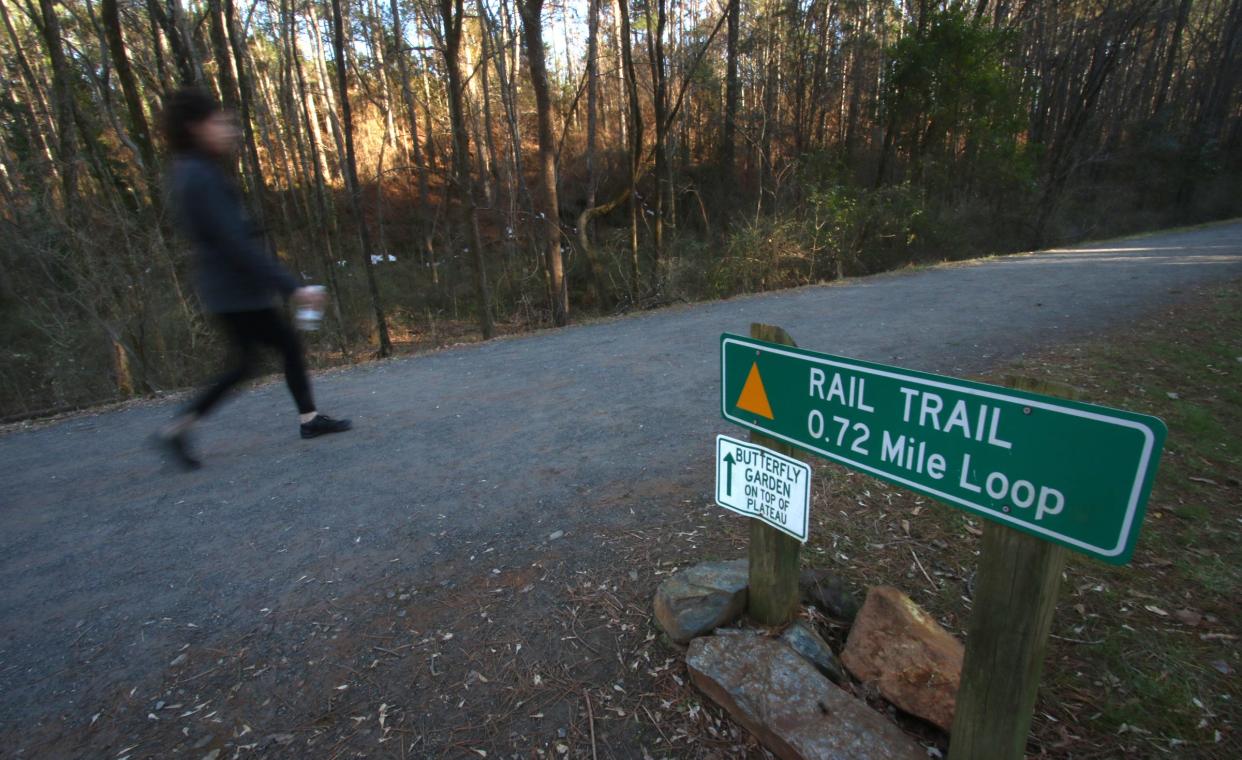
(774, 556)
(1047, 471)
(1015, 597)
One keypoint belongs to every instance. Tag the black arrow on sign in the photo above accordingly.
(729, 460)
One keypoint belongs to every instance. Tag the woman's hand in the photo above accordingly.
(314, 296)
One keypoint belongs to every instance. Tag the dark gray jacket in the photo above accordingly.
(235, 272)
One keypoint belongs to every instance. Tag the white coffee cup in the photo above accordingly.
(308, 318)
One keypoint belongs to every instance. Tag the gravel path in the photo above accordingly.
(100, 541)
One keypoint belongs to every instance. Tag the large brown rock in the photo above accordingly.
(701, 598)
(897, 647)
(783, 700)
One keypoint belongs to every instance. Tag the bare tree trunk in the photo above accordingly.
(173, 23)
(659, 85)
(484, 154)
(62, 103)
(1183, 11)
(531, 11)
(407, 98)
(325, 85)
(636, 140)
(592, 63)
(41, 123)
(597, 273)
(485, 96)
(452, 15)
(138, 129)
(225, 79)
(729, 125)
(245, 90)
(351, 176)
(618, 12)
(328, 169)
(317, 168)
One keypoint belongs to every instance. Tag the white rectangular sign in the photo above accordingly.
(757, 482)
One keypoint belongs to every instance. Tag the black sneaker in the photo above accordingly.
(178, 447)
(322, 425)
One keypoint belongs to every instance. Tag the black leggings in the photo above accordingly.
(247, 330)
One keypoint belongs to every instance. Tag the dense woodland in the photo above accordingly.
(452, 169)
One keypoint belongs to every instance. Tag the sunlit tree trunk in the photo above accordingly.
(451, 16)
(62, 103)
(407, 99)
(351, 177)
(549, 208)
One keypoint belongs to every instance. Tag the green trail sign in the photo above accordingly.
(1068, 472)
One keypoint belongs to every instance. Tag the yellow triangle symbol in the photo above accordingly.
(754, 398)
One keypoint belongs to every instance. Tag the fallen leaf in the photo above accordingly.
(1207, 481)
(1222, 666)
(1156, 610)
(1189, 617)
(972, 530)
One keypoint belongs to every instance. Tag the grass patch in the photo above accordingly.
(1144, 658)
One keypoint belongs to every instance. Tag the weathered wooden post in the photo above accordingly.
(1052, 473)
(774, 556)
(1015, 597)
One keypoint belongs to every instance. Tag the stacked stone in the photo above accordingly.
(791, 691)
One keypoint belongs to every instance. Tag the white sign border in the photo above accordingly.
(1136, 490)
(806, 514)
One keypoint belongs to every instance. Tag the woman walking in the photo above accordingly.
(239, 282)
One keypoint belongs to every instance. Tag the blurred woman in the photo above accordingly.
(239, 282)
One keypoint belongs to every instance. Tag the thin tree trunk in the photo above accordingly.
(245, 99)
(325, 85)
(485, 56)
(597, 270)
(1170, 62)
(659, 76)
(620, 10)
(730, 91)
(138, 129)
(452, 16)
(62, 103)
(636, 140)
(532, 21)
(351, 176)
(42, 127)
(317, 167)
(407, 98)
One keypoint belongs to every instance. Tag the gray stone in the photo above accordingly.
(806, 642)
(698, 599)
(829, 593)
(791, 709)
